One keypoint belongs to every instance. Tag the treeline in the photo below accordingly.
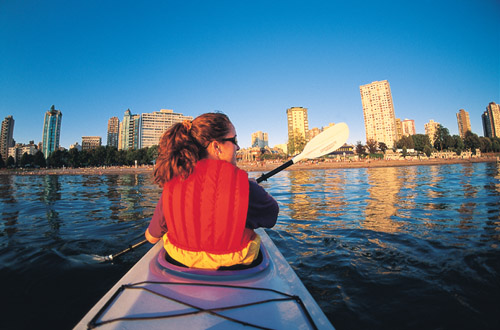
(101, 156)
(443, 142)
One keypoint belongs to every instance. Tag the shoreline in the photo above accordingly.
(256, 166)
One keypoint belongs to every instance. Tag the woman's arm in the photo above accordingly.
(262, 208)
(158, 226)
(151, 239)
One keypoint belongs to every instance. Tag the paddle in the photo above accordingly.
(322, 144)
(130, 248)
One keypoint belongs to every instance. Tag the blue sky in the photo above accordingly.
(250, 59)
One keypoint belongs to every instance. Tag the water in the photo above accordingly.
(378, 248)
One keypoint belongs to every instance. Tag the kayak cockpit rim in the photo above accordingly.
(163, 265)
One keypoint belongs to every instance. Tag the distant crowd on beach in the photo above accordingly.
(262, 166)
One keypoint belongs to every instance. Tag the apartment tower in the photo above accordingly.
(431, 129)
(378, 111)
(51, 131)
(113, 130)
(491, 120)
(154, 124)
(298, 125)
(91, 142)
(129, 131)
(6, 137)
(260, 139)
(408, 127)
(463, 122)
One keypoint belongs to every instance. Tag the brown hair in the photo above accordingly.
(184, 144)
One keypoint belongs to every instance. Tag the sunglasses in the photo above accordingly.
(232, 139)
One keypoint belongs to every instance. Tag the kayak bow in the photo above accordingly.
(157, 294)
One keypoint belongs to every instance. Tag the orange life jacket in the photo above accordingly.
(206, 216)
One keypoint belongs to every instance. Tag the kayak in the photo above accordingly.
(156, 294)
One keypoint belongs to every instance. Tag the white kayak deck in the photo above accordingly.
(156, 295)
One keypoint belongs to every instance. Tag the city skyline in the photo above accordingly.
(250, 61)
(407, 128)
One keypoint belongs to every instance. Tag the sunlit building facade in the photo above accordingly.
(154, 124)
(378, 111)
(463, 122)
(408, 126)
(51, 131)
(91, 142)
(491, 120)
(6, 137)
(260, 139)
(431, 129)
(298, 124)
(129, 131)
(113, 131)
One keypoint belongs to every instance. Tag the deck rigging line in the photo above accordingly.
(94, 323)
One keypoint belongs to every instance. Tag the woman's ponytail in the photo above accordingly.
(184, 144)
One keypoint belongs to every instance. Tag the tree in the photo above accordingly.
(441, 136)
(111, 156)
(471, 141)
(296, 143)
(99, 156)
(360, 149)
(73, 157)
(420, 141)
(11, 162)
(371, 144)
(26, 160)
(458, 144)
(152, 154)
(39, 159)
(382, 146)
(2, 163)
(405, 141)
(427, 150)
(58, 158)
(495, 145)
(485, 144)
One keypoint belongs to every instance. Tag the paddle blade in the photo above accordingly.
(324, 143)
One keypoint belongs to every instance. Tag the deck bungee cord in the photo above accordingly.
(94, 323)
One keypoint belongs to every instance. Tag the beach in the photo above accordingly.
(256, 166)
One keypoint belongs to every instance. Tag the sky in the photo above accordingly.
(251, 60)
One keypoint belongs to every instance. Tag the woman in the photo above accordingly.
(209, 207)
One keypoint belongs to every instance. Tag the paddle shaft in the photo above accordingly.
(130, 248)
(267, 175)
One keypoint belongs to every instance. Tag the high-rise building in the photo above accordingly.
(51, 131)
(129, 131)
(113, 130)
(91, 142)
(154, 124)
(6, 137)
(378, 111)
(491, 120)
(408, 127)
(431, 129)
(399, 129)
(260, 139)
(298, 125)
(463, 122)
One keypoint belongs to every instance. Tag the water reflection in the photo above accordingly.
(113, 195)
(305, 195)
(470, 189)
(335, 203)
(50, 194)
(385, 185)
(10, 213)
